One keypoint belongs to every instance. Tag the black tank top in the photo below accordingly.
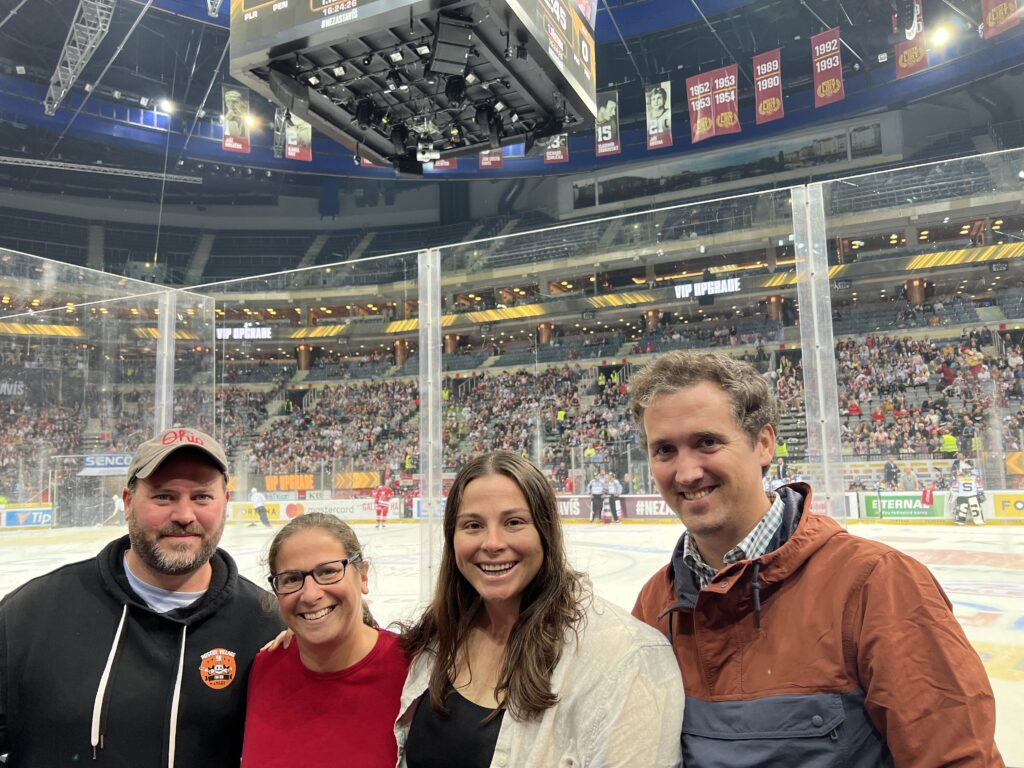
(460, 740)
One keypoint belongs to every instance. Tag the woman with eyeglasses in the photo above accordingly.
(515, 662)
(331, 696)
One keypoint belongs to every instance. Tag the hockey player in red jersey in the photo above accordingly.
(382, 500)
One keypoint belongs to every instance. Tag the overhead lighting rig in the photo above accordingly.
(429, 80)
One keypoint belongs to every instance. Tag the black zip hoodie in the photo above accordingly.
(89, 673)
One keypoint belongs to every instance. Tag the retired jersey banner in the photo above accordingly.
(699, 105)
(726, 105)
(298, 140)
(999, 16)
(235, 120)
(492, 158)
(606, 125)
(911, 54)
(659, 115)
(768, 86)
(556, 149)
(828, 68)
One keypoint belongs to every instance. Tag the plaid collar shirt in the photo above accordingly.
(752, 547)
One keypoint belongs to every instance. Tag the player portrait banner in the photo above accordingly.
(699, 104)
(556, 149)
(659, 115)
(724, 101)
(606, 125)
(999, 16)
(298, 140)
(492, 158)
(768, 86)
(828, 68)
(235, 100)
(911, 55)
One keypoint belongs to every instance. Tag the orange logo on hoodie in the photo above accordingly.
(217, 668)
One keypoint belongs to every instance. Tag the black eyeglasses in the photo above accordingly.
(286, 582)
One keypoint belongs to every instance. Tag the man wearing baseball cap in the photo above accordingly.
(141, 655)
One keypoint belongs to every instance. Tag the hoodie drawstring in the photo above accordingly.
(97, 708)
(175, 700)
(755, 585)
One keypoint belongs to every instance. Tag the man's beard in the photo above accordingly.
(180, 560)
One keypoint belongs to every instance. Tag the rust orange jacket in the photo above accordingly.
(829, 650)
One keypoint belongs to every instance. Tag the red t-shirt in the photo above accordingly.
(296, 717)
(383, 495)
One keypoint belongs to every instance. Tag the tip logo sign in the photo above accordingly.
(28, 518)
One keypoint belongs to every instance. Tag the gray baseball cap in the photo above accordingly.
(151, 454)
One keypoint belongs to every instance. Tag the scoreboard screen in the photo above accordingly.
(405, 82)
(565, 32)
(261, 25)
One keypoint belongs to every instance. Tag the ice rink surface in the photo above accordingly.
(981, 568)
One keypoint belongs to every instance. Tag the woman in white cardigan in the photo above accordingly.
(515, 662)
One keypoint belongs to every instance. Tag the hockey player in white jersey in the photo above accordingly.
(967, 494)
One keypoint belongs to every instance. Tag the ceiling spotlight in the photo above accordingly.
(143, 101)
(941, 36)
(364, 113)
(471, 78)
(395, 56)
(167, 106)
(399, 135)
(499, 106)
(200, 113)
(117, 94)
(338, 71)
(313, 81)
(423, 49)
(394, 80)
(484, 115)
(20, 69)
(509, 53)
(455, 89)
(367, 59)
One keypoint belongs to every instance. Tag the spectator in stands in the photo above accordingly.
(338, 683)
(515, 660)
(734, 599)
(159, 616)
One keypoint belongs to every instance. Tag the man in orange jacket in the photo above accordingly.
(799, 643)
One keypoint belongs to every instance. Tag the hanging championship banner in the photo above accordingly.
(659, 115)
(911, 54)
(768, 86)
(492, 158)
(828, 68)
(997, 16)
(556, 148)
(298, 140)
(726, 105)
(606, 125)
(698, 102)
(235, 100)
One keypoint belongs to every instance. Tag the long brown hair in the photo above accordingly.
(551, 604)
(337, 528)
